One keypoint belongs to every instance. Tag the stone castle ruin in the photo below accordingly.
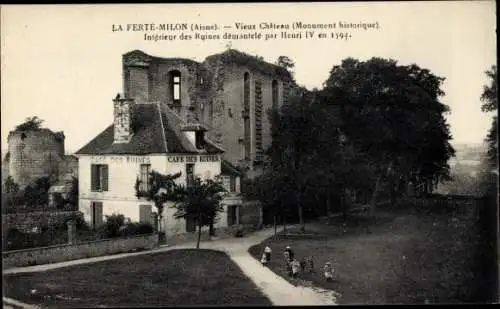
(229, 93)
(37, 153)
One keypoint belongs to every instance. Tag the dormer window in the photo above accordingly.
(199, 139)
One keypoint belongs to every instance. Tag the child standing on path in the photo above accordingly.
(290, 253)
(295, 268)
(267, 252)
(264, 259)
(328, 271)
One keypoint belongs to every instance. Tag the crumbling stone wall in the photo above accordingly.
(214, 91)
(34, 154)
(229, 112)
(148, 79)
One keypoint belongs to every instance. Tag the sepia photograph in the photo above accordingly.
(262, 154)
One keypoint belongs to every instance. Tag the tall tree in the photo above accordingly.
(291, 155)
(392, 115)
(201, 200)
(490, 104)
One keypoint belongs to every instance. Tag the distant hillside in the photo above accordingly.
(465, 170)
(473, 152)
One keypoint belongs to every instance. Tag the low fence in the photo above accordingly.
(61, 253)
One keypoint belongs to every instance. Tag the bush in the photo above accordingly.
(111, 228)
(238, 233)
(132, 229)
(37, 194)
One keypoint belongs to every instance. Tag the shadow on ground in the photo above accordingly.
(404, 258)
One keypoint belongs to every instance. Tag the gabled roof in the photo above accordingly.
(228, 169)
(157, 129)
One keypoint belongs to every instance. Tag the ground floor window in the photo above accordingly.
(96, 214)
(233, 215)
(145, 213)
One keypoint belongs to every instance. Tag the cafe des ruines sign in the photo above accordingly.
(146, 159)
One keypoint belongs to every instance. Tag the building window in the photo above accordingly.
(96, 214)
(226, 182)
(232, 184)
(246, 114)
(229, 183)
(145, 213)
(232, 215)
(99, 177)
(144, 177)
(189, 174)
(199, 139)
(211, 112)
(274, 90)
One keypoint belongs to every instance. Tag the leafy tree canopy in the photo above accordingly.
(31, 123)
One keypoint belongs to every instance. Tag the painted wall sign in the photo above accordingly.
(121, 159)
(193, 159)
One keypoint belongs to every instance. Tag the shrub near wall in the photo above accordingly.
(61, 253)
(28, 221)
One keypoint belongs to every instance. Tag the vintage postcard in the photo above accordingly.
(263, 154)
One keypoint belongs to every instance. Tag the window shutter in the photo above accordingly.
(104, 177)
(94, 177)
(98, 214)
(145, 213)
(232, 184)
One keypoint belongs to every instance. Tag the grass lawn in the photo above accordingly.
(174, 278)
(402, 259)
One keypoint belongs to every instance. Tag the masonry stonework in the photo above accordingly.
(213, 90)
(34, 154)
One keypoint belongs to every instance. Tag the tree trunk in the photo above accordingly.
(199, 233)
(392, 192)
(301, 215)
(275, 232)
(212, 229)
(328, 203)
(373, 202)
(343, 203)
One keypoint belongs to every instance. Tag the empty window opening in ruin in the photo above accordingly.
(175, 89)
(275, 96)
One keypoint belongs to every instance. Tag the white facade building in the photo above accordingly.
(143, 138)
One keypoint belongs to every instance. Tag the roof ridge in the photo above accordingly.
(162, 127)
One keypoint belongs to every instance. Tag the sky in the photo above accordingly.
(63, 63)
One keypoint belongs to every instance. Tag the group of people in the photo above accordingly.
(293, 266)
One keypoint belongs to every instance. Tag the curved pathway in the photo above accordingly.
(277, 289)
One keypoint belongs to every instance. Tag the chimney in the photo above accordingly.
(123, 119)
